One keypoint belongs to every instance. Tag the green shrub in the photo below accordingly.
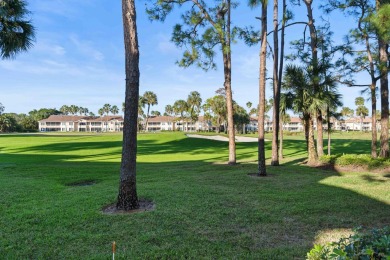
(353, 159)
(371, 245)
(363, 160)
(328, 159)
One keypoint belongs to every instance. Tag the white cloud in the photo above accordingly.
(86, 48)
(49, 48)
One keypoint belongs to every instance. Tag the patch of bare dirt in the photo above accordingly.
(82, 183)
(144, 205)
(256, 175)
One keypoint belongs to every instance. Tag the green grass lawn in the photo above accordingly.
(204, 208)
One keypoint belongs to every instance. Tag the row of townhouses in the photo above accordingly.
(64, 123)
(296, 124)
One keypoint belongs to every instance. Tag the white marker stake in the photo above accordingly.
(113, 250)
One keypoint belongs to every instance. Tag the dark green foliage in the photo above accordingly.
(240, 116)
(8, 123)
(361, 245)
(12, 122)
(16, 33)
(203, 28)
(43, 113)
(356, 160)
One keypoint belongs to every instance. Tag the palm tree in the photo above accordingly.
(101, 112)
(361, 110)
(347, 112)
(285, 104)
(150, 99)
(16, 33)
(127, 196)
(65, 110)
(114, 110)
(298, 82)
(194, 102)
(217, 106)
(86, 111)
(73, 109)
(106, 108)
(333, 101)
(141, 113)
(327, 92)
(180, 107)
(155, 113)
(169, 110)
(83, 111)
(249, 106)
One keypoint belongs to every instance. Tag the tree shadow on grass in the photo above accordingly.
(203, 210)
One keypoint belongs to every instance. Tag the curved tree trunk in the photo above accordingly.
(127, 197)
(263, 58)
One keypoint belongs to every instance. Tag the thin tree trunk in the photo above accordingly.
(227, 65)
(373, 95)
(127, 197)
(263, 58)
(306, 126)
(329, 128)
(276, 92)
(312, 153)
(373, 123)
(281, 74)
(147, 119)
(320, 133)
(281, 141)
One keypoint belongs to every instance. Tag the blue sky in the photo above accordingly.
(78, 58)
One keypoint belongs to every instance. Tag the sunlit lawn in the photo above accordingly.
(204, 208)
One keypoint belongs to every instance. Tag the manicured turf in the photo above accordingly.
(204, 208)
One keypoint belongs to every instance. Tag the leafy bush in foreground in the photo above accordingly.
(372, 245)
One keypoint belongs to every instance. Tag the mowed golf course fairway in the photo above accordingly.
(53, 188)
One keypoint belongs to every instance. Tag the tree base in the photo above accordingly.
(144, 205)
(258, 175)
